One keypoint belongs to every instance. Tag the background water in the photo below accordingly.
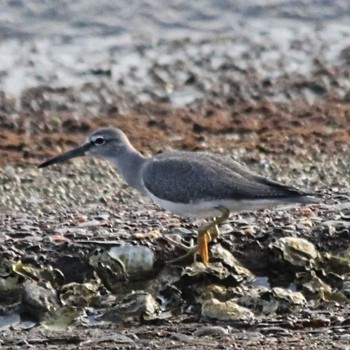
(71, 43)
(134, 20)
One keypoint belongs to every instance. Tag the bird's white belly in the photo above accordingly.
(208, 209)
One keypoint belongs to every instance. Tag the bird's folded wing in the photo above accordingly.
(184, 179)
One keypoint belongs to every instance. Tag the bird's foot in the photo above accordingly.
(204, 238)
(179, 244)
(190, 252)
(208, 233)
(189, 249)
(205, 235)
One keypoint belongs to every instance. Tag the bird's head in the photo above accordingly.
(104, 143)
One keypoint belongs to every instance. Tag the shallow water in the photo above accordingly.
(152, 49)
(149, 19)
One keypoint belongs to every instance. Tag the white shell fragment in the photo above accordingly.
(225, 311)
(297, 251)
(136, 259)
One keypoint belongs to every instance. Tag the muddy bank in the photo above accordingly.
(62, 229)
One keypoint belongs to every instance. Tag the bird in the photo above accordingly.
(189, 184)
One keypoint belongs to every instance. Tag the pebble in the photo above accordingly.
(210, 331)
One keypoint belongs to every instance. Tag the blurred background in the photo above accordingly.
(68, 43)
(266, 82)
(194, 75)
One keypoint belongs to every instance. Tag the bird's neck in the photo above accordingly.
(129, 163)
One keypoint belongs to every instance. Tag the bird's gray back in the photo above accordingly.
(185, 177)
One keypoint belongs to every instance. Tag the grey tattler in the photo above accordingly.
(189, 184)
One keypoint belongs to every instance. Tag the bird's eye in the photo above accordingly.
(99, 141)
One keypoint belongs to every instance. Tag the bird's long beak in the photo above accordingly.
(74, 153)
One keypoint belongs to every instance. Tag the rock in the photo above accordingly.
(297, 251)
(135, 305)
(225, 311)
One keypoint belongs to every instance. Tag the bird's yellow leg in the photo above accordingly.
(204, 240)
(202, 246)
(215, 233)
(204, 236)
